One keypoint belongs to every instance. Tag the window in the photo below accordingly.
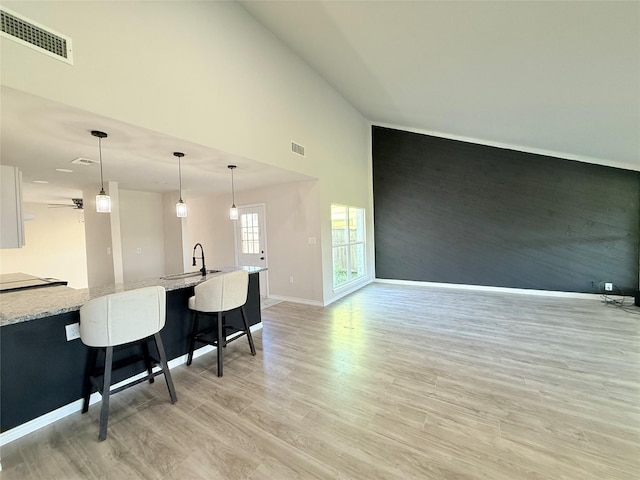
(250, 232)
(347, 239)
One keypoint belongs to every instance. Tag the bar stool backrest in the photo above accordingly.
(222, 293)
(123, 317)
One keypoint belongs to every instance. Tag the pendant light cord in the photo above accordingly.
(233, 193)
(101, 179)
(180, 175)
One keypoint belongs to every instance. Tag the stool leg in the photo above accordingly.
(192, 343)
(247, 330)
(104, 411)
(92, 357)
(147, 359)
(221, 342)
(165, 368)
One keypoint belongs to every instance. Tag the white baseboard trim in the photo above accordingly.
(350, 289)
(303, 301)
(317, 303)
(75, 407)
(42, 421)
(482, 288)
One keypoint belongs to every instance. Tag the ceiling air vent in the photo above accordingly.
(36, 36)
(84, 161)
(297, 148)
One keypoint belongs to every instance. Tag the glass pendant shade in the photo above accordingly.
(233, 211)
(103, 202)
(181, 209)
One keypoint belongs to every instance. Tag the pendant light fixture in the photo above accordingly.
(233, 211)
(181, 207)
(103, 201)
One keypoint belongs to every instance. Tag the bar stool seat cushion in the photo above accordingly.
(123, 317)
(122, 320)
(221, 293)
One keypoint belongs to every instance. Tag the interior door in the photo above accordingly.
(251, 241)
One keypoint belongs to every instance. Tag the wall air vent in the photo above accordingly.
(31, 34)
(297, 148)
(84, 161)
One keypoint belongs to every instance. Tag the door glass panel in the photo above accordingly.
(250, 233)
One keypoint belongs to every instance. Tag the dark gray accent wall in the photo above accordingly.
(457, 212)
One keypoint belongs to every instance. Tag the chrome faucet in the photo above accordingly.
(203, 270)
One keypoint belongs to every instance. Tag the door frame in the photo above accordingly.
(264, 277)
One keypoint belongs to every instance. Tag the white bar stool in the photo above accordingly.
(118, 319)
(217, 297)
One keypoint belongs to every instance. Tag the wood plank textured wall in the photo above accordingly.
(456, 212)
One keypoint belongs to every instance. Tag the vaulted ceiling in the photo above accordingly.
(553, 77)
(545, 76)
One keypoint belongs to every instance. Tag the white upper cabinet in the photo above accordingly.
(11, 221)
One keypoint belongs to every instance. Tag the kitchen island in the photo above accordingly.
(40, 371)
(21, 281)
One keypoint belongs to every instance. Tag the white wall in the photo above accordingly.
(292, 217)
(208, 223)
(99, 248)
(208, 73)
(142, 233)
(175, 236)
(55, 246)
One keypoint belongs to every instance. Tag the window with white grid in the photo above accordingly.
(250, 231)
(347, 241)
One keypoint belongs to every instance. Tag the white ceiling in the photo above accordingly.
(557, 77)
(545, 76)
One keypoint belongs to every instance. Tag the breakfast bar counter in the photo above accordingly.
(23, 305)
(41, 371)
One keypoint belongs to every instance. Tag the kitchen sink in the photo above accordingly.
(178, 276)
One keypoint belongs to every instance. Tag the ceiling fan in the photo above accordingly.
(78, 204)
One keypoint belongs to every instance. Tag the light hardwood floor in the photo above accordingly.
(391, 382)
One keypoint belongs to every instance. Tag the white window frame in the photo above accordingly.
(349, 244)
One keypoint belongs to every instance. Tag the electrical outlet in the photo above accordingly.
(608, 287)
(73, 331)
(291, 279)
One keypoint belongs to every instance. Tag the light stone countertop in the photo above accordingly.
(30, 304)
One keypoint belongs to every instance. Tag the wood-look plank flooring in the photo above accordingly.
(391, 382)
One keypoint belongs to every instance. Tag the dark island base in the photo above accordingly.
(41, 371)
